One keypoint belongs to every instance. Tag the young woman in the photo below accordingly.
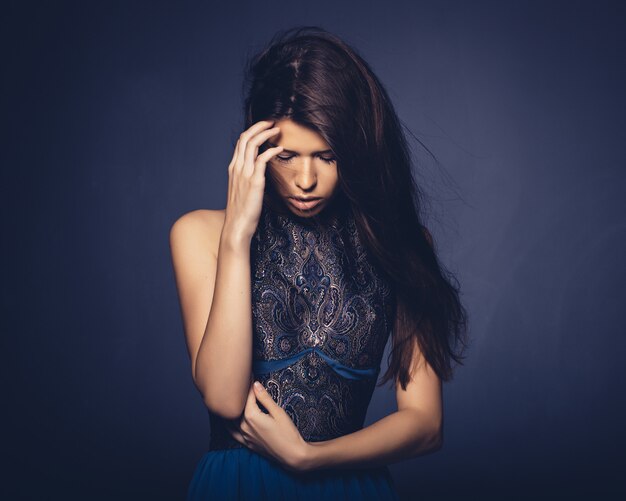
(318, 258)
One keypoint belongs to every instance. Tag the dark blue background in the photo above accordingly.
(121, 116)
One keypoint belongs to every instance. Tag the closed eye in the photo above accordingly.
(328, 160)
(284, 159)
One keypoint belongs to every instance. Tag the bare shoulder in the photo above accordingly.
(200, 227)
(194, 244)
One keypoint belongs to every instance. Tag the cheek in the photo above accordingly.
(330, 179)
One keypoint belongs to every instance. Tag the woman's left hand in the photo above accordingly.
(273, 435)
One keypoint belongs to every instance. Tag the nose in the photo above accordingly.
(306, 178)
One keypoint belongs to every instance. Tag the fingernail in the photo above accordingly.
(258, 386)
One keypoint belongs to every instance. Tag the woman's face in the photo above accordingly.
(305, 168)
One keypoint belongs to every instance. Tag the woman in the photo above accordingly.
(318, 258)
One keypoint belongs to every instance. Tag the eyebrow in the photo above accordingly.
(272, 145)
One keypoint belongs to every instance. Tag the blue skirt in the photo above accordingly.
(240, 473)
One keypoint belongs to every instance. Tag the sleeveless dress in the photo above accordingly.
(322, 313)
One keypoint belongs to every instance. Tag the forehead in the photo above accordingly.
(296, 137)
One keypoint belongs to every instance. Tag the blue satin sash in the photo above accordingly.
(266, 366)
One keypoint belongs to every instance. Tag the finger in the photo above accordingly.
(246, 430)
(234, 159)
(231, 166)
(236, 434)
(243, 427)
(244, 137)
(251, 406)
(262, 160)
(252, 148)
(255, 448)
(265, 398)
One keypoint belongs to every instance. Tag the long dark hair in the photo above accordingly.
(317, 80)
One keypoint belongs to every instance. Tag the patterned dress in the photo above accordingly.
(322, 313)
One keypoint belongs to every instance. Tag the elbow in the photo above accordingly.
(436, 438)
(436, 442)
(430, 439)
(222, 405)
(218, 402)
(226, 408)
(228, 412)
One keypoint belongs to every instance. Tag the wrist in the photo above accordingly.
(234, 240)
(310, 457)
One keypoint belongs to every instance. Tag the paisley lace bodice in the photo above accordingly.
(322, 313)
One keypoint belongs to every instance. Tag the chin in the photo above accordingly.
(308, 213)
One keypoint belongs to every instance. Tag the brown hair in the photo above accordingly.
(314, 78)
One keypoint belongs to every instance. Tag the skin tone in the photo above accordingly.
(305, 167)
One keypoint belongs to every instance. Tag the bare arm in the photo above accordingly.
(213, 282)
(414, 429)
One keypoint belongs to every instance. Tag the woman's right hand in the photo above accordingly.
(246, 179)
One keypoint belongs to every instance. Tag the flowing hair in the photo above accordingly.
(317, 80)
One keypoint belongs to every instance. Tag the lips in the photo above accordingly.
(305, 205)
